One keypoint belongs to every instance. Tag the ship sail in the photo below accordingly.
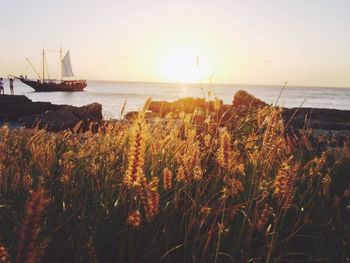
(67, 66)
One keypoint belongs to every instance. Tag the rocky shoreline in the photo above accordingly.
(327, 120)
(21, 111)
(24, 112)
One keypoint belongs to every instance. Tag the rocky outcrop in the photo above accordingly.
(23, 111)
(243, 103)
(14, 107)
(324, 119)
(65, 117)
(241, 100)
(244, 99)
(220, 113)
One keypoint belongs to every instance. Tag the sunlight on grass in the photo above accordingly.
(173, 189)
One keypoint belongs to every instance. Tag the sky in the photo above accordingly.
(223, 41)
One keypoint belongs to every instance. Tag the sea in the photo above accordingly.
(113, 95)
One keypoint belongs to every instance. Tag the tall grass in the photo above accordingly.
(173, 190)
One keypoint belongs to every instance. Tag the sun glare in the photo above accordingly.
(180, 63)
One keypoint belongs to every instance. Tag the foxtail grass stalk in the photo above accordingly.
(30, 228)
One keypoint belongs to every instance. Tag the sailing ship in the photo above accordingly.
(43, 84)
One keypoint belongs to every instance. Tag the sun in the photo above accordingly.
(179, 63)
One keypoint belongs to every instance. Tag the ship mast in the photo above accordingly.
(61, 63)
(43, 65)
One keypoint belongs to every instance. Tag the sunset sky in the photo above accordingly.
(304, 42)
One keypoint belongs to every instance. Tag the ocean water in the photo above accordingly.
(112, 95)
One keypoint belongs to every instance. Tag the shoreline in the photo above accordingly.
(20, 111)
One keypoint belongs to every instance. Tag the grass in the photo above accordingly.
(173, 190)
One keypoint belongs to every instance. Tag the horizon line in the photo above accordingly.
(220, 83)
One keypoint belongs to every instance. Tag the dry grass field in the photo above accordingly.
(173, 190)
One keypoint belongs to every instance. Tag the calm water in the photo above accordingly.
(112, 95)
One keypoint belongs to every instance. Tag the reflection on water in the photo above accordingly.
(113, 94)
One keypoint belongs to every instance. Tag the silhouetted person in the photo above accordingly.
(2, 86)
(11, 86)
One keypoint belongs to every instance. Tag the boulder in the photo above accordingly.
(243, 98)
(17, 106)
(131, 115)
(92, 112)
(65, 117)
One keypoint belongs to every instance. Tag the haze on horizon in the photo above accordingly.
(230, 41)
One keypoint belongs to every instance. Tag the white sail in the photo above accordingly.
(67, 66)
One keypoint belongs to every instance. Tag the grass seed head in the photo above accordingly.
(135, 173)
(4, 255)
(167, 179)
(30, 228)
(134, 218)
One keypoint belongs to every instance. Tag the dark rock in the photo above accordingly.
(92, 112)
(131, 115)
(65, 117)
(20, 109)
(243, 98)
(322, 119)
(14, 107)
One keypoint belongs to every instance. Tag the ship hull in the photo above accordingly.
(48, 86)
